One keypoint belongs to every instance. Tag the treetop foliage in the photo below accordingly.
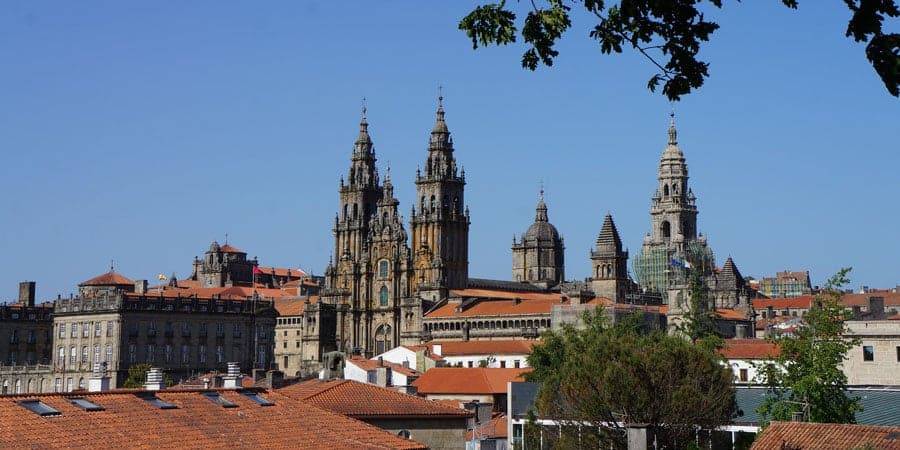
(668, 33)
(608, 374)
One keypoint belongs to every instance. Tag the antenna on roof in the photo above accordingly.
(112, 265)
(226, 238)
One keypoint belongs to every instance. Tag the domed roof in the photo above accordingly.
(541, 229)
(110, 278)
(672, 151)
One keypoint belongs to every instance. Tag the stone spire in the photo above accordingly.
(440, 126)
(540, 214)
(673, 134)
(608, 240)
(363, 141)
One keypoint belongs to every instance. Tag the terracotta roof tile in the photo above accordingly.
(371, 364)
(230, 249)
(367, 401)
(467, 380)
(293, 306)
(131, 422)
(109, 279)
(282, 272)
(496, 428)
(730, 314)
(495, 302)
(749, 349)
(501, 347)
(826, 436)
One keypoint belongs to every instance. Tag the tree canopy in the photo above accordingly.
(669, 34)
(807, 376)
(596, 378)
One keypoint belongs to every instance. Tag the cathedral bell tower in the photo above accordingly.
(609, 271)
(440, 222)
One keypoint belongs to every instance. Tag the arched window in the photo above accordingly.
(456, 206)
(446, 203)
(383, 269)
(666, 229)
(345, 212)
(422, 205)
(355, 210)
(383, 296)
(383, 339)
(665, 190)
(431, 206)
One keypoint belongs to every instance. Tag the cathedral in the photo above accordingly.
(386, 286)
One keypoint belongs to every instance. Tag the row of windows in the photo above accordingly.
(185, 329)
(489, 324)
(85, 354)
(869, 353)
(166, 353)
(86, 328)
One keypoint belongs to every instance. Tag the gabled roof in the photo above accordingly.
(826, 436)
(501, 347)
(749, 349)
(129, 421)
(110, 278)
(282, 272)
(467, 380)
(367, 401)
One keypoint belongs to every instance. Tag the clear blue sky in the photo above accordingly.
(141, 133)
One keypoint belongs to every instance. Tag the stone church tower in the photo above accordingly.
(539, 257)
(609, 270)
(364, 285)
(440, 222)
(673, 242)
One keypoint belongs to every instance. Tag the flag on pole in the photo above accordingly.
(256, 271)
(161, 277)
(687, 264)
(677, 263)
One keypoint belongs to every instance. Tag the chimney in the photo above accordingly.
(770, 313)
(274, 379)
(233, 378)
(26, 293)
(797, 416)
(876, 308)
(380, 361)
(154, 380)
(436, 348)
(99, 380)
(638, 436)
(140, 287)
(740, 331)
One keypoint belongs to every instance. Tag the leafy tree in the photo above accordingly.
(137, 376)
(668, 33)
(596, 377)
(807, 377)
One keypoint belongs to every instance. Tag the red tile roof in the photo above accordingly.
(230, 249)
(749, 349)
(826, 436)
(227, 293)
(495, 302)
(803, 302)
(131, 422)
(467, 380)
(108, 279)
(293, 306)
(367, 401)
(502, 347)
(282, 272)
(730, 314)
(848, 300)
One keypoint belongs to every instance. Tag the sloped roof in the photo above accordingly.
(749, 349)
(467, 380)
(367, 401)
(826, 436)
(282, 272)
(880, 406)
(129, 421)
(293, 306)
(730, 314)
(225, 293)
(495, 302)
(608, 239)
(500, 347)
(495, 428)
(110, 278)
(230, 249)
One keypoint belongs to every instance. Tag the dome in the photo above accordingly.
(541, 231)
